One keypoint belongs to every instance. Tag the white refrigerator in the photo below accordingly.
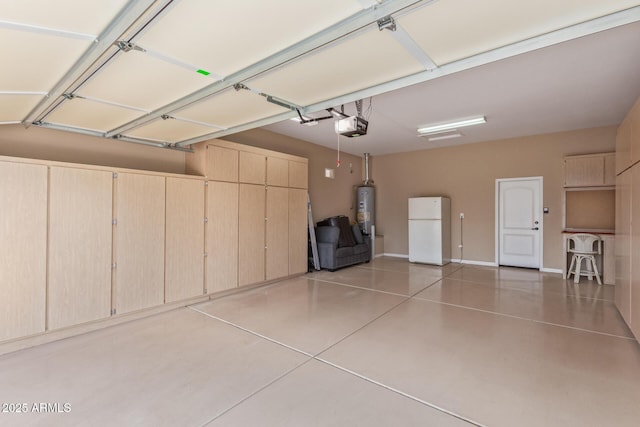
(430, 230)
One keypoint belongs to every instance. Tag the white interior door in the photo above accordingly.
(520, 222)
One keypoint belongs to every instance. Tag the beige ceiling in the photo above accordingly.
(173, 73)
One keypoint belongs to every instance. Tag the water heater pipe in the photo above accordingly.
(367, 181)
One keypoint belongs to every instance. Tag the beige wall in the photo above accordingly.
(467, 174)
(47, 144)
(591, 209)
(329, 197)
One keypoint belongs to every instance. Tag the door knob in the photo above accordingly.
(535, 228)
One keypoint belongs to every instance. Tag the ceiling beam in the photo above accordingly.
(328, 35)
(122, 22)
(604, 23)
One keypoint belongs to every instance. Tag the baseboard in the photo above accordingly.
(396, 255)
(551, 270)
(471, 262)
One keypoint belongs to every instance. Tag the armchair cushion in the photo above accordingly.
(357, 234)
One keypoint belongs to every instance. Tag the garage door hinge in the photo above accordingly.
(113, 311)
(114, 221)
(115, 175)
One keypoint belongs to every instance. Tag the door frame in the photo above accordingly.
(540, 180)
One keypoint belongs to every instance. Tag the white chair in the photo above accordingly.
(581, 245)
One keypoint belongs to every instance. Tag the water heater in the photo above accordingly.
(365, 199)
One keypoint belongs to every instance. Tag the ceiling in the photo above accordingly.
(173, 73)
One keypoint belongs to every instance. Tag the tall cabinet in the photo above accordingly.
(81, 244)
(23, 249)
(80, 231)
(139, 242)
(627, 296)
(256, 213)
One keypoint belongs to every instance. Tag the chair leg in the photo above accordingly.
(595, 269)
(576, 273)
(570, 270)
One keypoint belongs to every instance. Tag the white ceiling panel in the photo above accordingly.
(139, 80)
(170, 130)
(86, 114)
(370, 58)
(222, 36)
(231, 108)
(450, 30)
(81, 16)
(35, 62)
(13, 108)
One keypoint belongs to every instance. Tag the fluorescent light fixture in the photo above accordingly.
(441, 137)
(439, 127)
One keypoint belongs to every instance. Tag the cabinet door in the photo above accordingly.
(222, 236)
(222, 164)
(277, 262)
(139, 241)
(23, 249)
(277, 172)
(635, 252)
(634, 134)
(298, 231)
(610, 169)
(623, 145)
(584, 171)
(80, 233)
(184, 265)
(251, 239)
(252, 168)
(298, 174)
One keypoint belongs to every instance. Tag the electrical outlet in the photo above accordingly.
(461, 215)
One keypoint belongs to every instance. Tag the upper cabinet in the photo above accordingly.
(298, 175)
(628, 140)
(252, 168)
(220, 160)
(591, 170)
(222, 164)
(277, 171)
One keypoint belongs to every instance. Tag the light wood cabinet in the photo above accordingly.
(184, 258)
(139, 242)
(251, 234)
(298, 231)
(80, 243)
(252, 168)
(222, 164)
(623, 146)
(298, 174)
(623, 245)
(634, 137)
(257, 229)
(222, 236)
(277, 171)
(592, 170)
(23, 249)
(277, 233)
(635, 252)
(610, 169)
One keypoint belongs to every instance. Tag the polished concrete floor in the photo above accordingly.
(387, 343)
